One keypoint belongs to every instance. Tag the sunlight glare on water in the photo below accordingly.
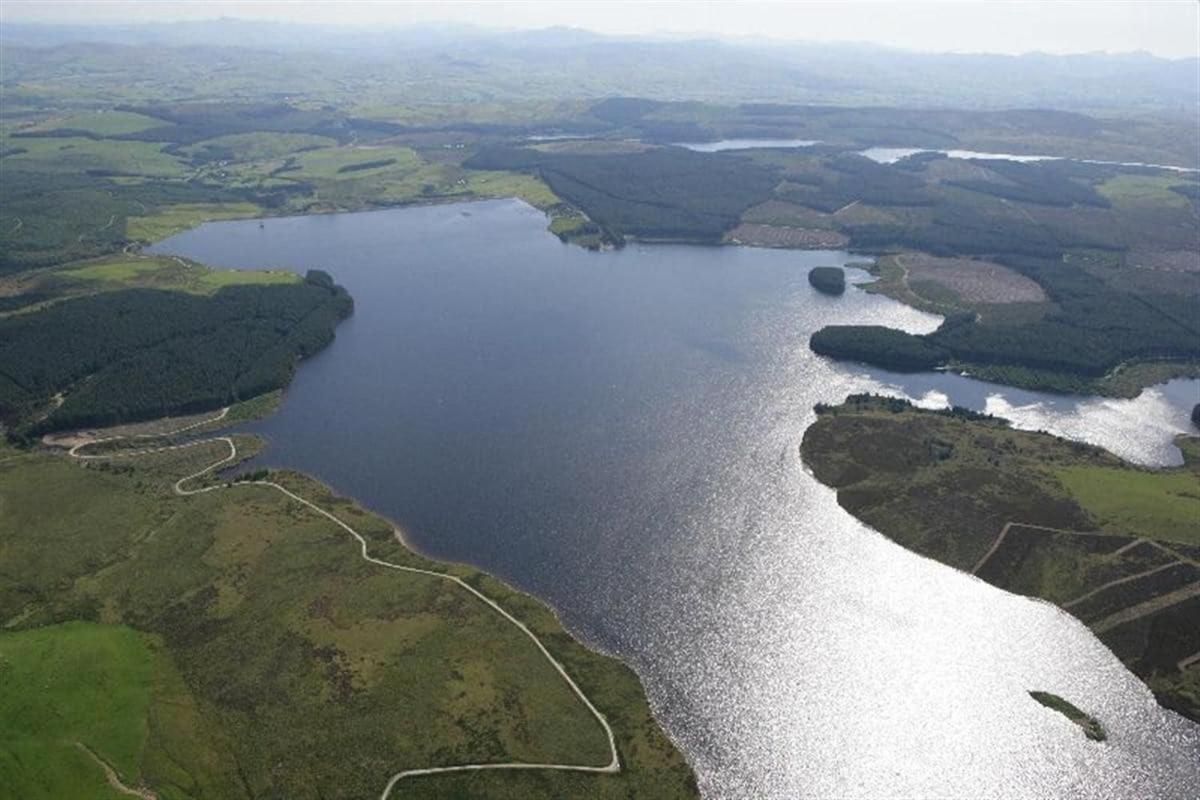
(618, 433)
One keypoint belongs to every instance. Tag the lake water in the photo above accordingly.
(618, 433)
(744, 144)
(890, 155)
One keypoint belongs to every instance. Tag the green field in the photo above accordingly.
(104, 123)
(484, 183)
(76, 155)
(95, 685)
(1162, 505)
(1143, 190)
(176, 218)
(115, 273)
(329, 163)
(257, 146)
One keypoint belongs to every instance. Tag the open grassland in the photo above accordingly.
(486, 183)
(78, 155)
(161, 272)
(255, 653)
(1159, 505)
(182, 216)
(1143, 190)
(1113, 544)
(330, 163)
(102, 123)
(95, 686)
(256, 146)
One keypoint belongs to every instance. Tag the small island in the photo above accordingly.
(1091, 726)
(828, 280)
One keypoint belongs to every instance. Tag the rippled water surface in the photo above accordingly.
(618, 432)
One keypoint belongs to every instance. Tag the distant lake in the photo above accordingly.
(744, 144)
(890, 155)
(618, 433)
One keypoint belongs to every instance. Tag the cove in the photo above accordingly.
(618, 433)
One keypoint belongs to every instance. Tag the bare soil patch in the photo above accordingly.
(971, 280)
(593, 147)
(757, 235)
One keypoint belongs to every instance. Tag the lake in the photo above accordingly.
(890, 155)
(618, 433)
(744, 144)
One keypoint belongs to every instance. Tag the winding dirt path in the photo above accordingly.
(114, 780)
(614, 764)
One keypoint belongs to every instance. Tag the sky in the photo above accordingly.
(1167, 28)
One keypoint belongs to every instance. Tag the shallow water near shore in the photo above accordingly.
(618, 433)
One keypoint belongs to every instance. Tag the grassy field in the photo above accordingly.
(114, 273)
(331, 163)
(300, 669)
(77, 154)
(946, 486)
(1160, 505)
(485, 183)
(257, 146)
(1142, 190)
(176, 218)
(104, 123)
(96, 684)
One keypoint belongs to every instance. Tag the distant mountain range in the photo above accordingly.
(569, 62)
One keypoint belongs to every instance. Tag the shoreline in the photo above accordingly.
(197, 433)
(1046, 520)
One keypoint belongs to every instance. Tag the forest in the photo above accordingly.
(1095, 329)
(848, 178)
(139, 354)
(878, 345)
(662, 193)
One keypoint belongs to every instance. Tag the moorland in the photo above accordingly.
(1115, 545)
